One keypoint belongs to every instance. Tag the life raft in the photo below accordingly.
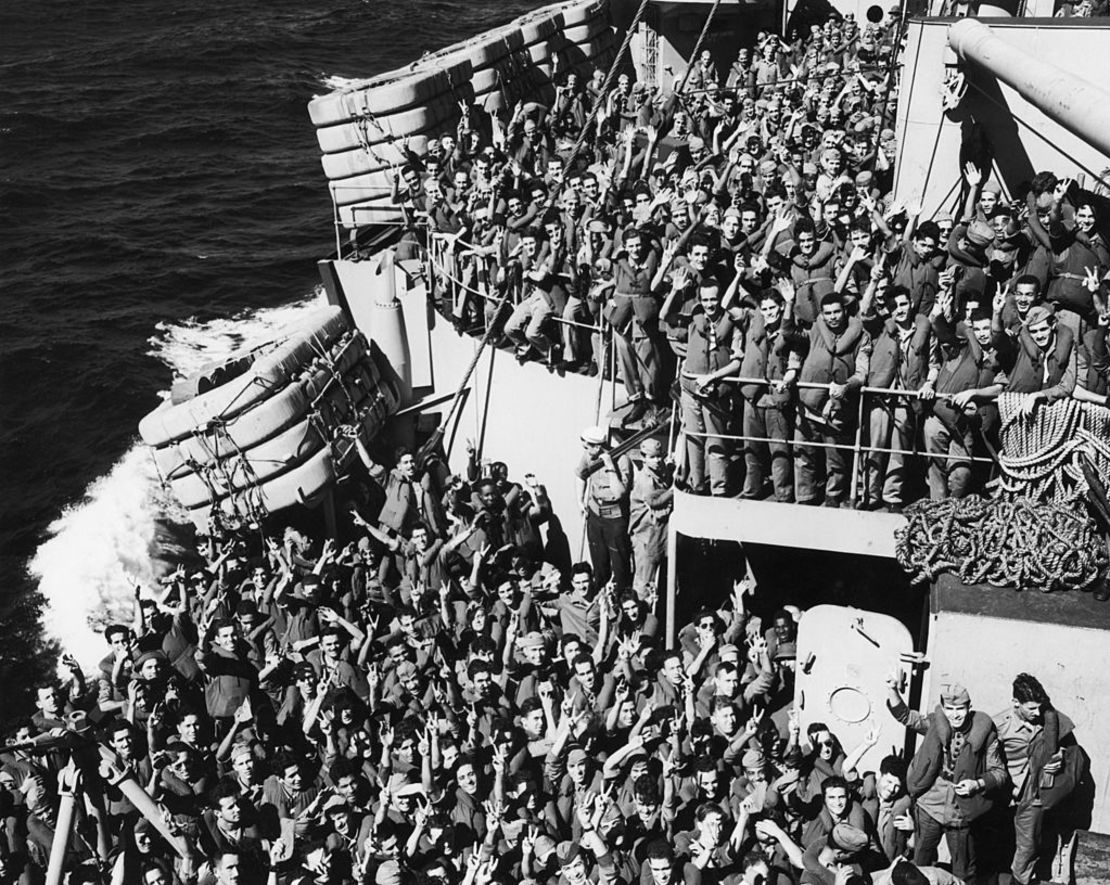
(303, 485)
(283, 423)
(262, 374)
(366, 130)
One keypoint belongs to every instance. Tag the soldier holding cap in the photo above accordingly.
(844, 851)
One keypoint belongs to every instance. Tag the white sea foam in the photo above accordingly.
(95, 551)
(335, 81)
(115, 534)
(190, 345)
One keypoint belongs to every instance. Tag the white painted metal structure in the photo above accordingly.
(1026, 138)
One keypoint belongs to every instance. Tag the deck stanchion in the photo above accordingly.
(672, 582)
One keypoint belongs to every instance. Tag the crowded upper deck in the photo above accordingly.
(737, 255)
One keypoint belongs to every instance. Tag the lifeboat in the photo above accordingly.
(272, 428)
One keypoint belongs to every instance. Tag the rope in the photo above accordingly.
(1042, 453)
(561, 181)
(1019, 544)
(697, 46)
(1036, 532)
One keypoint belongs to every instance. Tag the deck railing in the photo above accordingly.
(860, 467)
(457, 270)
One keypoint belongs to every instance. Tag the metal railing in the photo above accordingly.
(859, 472)
(440, 255)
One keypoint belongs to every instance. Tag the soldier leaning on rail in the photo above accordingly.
(838, 355)
(768, 409)
(904, 358)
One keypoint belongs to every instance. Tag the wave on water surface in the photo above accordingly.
(127, 528)
(335, 81)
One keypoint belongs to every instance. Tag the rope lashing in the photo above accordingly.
(1042, 452)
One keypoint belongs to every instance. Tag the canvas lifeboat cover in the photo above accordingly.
(844, 658)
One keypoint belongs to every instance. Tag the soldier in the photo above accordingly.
(604, 485)
(650, 507)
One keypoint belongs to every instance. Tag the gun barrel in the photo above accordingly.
(1079, 106)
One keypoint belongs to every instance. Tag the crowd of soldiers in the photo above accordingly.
(449, 705)
(735, 248)
(447, 698)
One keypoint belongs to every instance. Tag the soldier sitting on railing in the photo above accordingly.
(407, 191)
(568, 112)
(633, 313)
(539, 261)
(969, 376)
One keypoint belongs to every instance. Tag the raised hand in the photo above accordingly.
(972, 175)
(752, 726)
(1061, 189)
(500, 758)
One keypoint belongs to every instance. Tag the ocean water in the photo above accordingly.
(161, 204)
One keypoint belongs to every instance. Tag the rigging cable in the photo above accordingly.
(437, 436)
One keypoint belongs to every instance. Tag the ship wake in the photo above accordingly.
(126, 528)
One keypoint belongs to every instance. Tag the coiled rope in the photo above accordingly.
(1020, 544)
(1036, 532)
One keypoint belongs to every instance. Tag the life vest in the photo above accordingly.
(920, 279)
(813, 279)
(401, 508)
(971, 368)
(1028, 373)
(971, 763)
(762, 359)
(887, 362)
(831, 359)
(702, 357)
(1066, 284)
